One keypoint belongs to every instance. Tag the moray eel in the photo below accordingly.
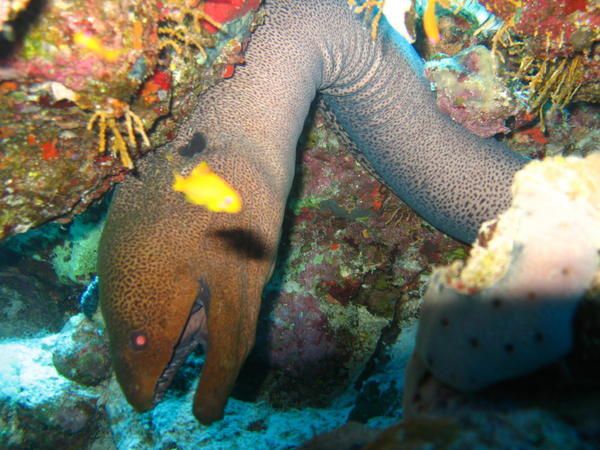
(173, 275)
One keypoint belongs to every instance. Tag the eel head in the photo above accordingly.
(173, 276)
(155, 316)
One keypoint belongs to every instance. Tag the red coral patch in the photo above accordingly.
(49, 151)
(224, 11)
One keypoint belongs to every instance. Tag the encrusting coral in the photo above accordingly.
(509, 310)
(469, 90)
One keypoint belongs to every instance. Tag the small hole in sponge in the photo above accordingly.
(474, 342)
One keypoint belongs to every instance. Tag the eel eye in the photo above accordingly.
(139, 340)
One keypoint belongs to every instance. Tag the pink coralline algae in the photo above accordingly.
(300, 338)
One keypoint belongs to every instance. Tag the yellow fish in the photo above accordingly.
(205, 188)
(430, 21)
(95, 45)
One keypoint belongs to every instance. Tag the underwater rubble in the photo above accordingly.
(335, 353)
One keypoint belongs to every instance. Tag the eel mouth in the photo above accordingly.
(195, 332)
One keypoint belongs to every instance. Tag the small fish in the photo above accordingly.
(205, 188)
(88, 302)
(95, 45)
(430, 22)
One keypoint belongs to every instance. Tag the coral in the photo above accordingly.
(75, 260)
(550, 28)
(570, 131)
(108, 119)
(550, 46)
(542, 58)
(300, 338)
(176, 31)
(460, 23)
(373, 10)
(508, 311)
(68, 65)
(336, 286)
(363, 258)
(471, 93)
(318, 345)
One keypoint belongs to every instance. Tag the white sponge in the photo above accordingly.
(508, 311)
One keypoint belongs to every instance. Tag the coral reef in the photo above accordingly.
(340, 308)
(80, 79)
(469, 90)
(551, 47)
(382, 251)
(569, 131)
(509, 310)
(75, 260)
(38, 407)
(26, 309)
(540, 61)
(368, 254)
(336, 286)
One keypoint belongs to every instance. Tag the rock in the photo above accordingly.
(66, 97)
(38, 407)
(25, 308)
(81, 352)
(526, 429)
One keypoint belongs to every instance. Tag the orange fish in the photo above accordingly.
(430, 21)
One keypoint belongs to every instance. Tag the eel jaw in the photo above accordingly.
(194, 332)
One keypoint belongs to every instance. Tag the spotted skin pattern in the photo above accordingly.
(156, 247)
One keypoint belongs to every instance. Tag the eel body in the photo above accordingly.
(173, 275)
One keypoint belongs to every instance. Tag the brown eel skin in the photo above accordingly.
(168, 268)
(157, 250)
